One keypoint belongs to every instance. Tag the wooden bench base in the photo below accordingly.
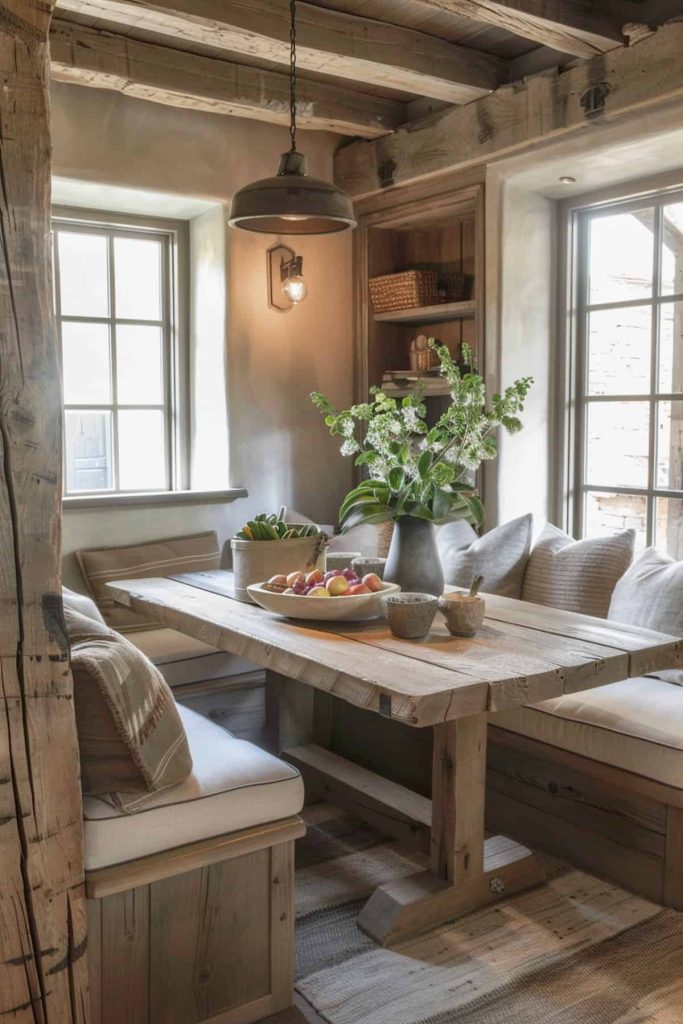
(211, 943)
(610, 822)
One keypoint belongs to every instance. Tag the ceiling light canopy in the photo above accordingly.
(291, 203)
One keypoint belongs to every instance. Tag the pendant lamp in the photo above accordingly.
(291, 203)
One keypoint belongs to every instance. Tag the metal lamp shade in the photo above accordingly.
(292, 203)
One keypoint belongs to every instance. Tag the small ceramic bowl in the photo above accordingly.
(463, 614)
(362, 566)
(340, 559)
(410, 615)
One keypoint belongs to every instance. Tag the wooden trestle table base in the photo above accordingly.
(523, 654)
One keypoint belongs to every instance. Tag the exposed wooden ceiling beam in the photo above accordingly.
(158, 73)
(624, 81)
(330, 42)
(579, 27)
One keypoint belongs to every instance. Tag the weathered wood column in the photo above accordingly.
(43, 974)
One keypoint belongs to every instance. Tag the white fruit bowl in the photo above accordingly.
(323, 609)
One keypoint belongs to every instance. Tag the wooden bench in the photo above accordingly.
(190, 899)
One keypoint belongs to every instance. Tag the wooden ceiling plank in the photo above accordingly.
(627, 80)
(571, 26)
(104, 60)
(328, 42)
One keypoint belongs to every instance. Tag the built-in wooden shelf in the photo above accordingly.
(428, 314)
(395, 390)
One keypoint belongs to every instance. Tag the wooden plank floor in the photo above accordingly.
(301, 1013)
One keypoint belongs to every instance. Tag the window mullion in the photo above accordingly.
(581, 411)
(113, 362)
(653, 452)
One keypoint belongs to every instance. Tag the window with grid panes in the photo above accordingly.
(113, 299)
(629, 388)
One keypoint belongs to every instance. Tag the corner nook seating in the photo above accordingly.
(595, 778)
(190, 899)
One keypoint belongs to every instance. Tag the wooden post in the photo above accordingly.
(43, 976)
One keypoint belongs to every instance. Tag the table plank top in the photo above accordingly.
(524, 653)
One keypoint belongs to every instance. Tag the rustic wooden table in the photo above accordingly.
(524, 653)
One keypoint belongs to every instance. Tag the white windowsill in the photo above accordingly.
(95, 501)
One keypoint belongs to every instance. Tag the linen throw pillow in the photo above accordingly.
(195, 553)
(500, 555)
(651, 595)
(80, 603)
(130, 736)
(576, 575)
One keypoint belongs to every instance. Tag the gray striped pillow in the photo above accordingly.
(169, 557)
(576, 575)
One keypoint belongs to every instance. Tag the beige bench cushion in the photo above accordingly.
(181, 659)
(636, 724)
(233, 785)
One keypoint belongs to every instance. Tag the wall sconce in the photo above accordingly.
(286, 286)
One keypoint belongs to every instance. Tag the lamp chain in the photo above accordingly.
(292, 74)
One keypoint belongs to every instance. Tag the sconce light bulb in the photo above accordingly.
(295, 288)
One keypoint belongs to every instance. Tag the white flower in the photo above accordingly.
(350, 447)
(347, 428)
(411, 418)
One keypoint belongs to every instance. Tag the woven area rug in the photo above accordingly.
(576, 950)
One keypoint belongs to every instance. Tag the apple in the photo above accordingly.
(314, 577)
(372, 582)
(278, 581)
(294, 577)
(337, 586)
(357, 589)
(290, 591)
(319, 591)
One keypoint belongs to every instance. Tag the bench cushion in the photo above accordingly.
(636, 724)
(181, 659)
(234, 785)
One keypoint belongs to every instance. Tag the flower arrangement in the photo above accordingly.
(416, 470)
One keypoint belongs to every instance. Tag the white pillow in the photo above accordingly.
(500, 555)
(81, 604)
(577, 575)
(651, 595)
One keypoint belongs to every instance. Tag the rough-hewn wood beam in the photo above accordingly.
(328, 41)
(158, 73)
(43, 976)
(579, 27)
(515, 117)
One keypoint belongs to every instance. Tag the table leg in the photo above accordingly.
(289, 712)
(468, 871)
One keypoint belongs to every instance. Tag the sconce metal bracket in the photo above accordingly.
(278, 257)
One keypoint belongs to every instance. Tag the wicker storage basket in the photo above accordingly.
(403, 291)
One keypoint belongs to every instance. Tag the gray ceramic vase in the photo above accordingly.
(413, 560)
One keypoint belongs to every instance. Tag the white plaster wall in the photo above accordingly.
(521, 342)
(209, 341)
(279, 449)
